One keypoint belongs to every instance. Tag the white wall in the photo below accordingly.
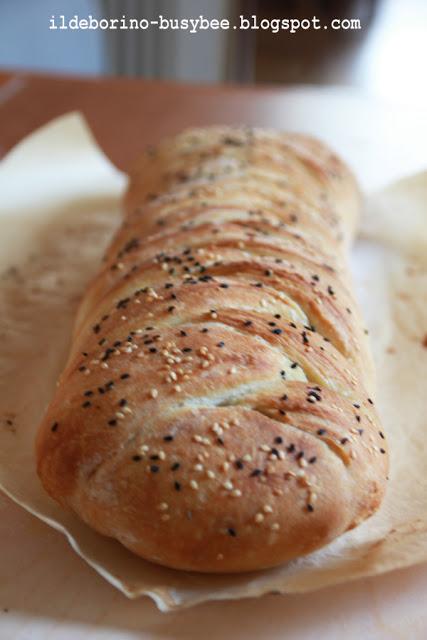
(27, 42)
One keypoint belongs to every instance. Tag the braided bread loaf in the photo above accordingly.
(215, 411)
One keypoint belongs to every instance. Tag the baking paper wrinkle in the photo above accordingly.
(54, 226)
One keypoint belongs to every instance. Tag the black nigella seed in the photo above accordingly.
(312, 460)
(255, 473)
(277, 332)
(86, 404)
(154, 468)
(177, 486)
(112, 422)
(381, 435)
(278, 440)
(54, 427)
(220, 344)
(175, 466)
(321, 432)
(239, 464)
(290, 448)
(123, 402)
(88, 393)
(136, 458)
(168, 438)
(124, 376)
(310, 508)
(382, 450)
(231, 532)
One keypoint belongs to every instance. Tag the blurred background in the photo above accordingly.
(386, 57)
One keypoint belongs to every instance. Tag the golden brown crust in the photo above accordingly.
(215, 411)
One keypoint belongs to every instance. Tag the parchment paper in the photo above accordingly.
(59, 206)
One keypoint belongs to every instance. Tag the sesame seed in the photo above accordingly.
(154, 393)
(194, 484)
(163, 506)
(259, 518)
(267, 509)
